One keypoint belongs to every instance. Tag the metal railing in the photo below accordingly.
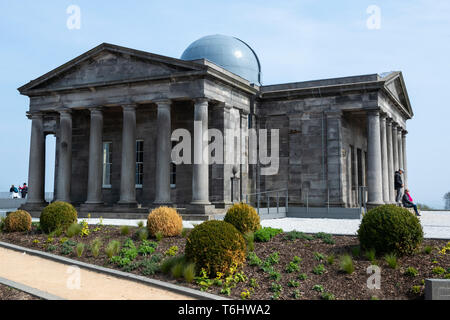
(266, 195)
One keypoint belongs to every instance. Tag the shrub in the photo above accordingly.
(165, 220)
(389, 228)
(370, 255)
(265, 234)
(147, 247)
(80, 249)
(416, 289)
(293, 283)
(142, 234)
(58, 215)
(169, 263)
(172, 251)
(346, 264)
(427, 249)
(149, 267)
(113, 248)
(438, 270)
(18, 221)
(302, 276)
(250, 240)
(216, 246)
(140, 224)
(244, 217)
(95, 247)
(292, 267)
(318, 288)
(189, 272)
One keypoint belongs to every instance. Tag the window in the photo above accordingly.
(139, 163)
(173, 170)
(107, 164)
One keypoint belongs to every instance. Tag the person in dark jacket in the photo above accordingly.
(398, 184)
(24, 190)
(407, 202)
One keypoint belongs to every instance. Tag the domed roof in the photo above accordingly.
(229, 53)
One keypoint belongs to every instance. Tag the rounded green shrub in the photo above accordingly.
(390, 228)
(244, 217)
(216, 246)
(58, 215)
(18, 221)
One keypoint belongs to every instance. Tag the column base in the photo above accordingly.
(163, 204)
(198, 208)
(126, 204)
(92, 205)
(371, 205)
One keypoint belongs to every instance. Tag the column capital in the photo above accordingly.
(389, 121)
(65, 112)
(129, 107)
(35, 115)
(383, 115)
(201, 100)
(96, 110)
(163, 103)
(405, 132)
(399, 128)
(373, 112)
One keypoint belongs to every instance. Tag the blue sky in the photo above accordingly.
(295, 41)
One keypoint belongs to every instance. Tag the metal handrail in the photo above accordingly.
(258, 199)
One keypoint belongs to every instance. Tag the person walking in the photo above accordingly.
(24, 190)
(407, 202)
(398, 185)
(14, 192)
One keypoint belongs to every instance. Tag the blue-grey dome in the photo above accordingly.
(229, 53)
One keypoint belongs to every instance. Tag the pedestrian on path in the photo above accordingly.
(398, 184)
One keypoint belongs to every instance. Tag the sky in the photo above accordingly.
(295, 41)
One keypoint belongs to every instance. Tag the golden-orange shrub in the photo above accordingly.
(18, 221)
(165, 220)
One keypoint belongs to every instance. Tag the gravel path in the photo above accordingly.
(436, 224)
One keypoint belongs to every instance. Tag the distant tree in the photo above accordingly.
(447, 201)
(424, 207)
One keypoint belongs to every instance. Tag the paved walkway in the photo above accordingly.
(61, 280)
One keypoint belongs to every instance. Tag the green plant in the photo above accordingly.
(112, 249)
(294, 235)
(297, 294)
(245, 295)
(159, 236)
(243, 217)
(84, 228)
(57, 215)
(124, 230)
(292, 267)
(328, 296)
(427, 249)
(253, 259)
(293, 283)
(390, 228)
(165, 220)
(169, 263)
(73, 230)
(250, 240)
(318, 288)
(142, 234)
(325, 237)
(17, 221)
(95, 247)
(346, 264)
(147, 247)
(149, 267)
(370, 255)
(411, 272)
(254, 283)
(302, 276)
(416, 289)
(438, 270)
(80, 249)
(356, 251)
(185, 232)
(216, 246)
(140, 224)
(172, 251)
(189, 272)
(177, 269)
(391, 260)
(330, 259)
(275, 275)
(266, 234)
(319, 269)
(318, 256)
(276, 287)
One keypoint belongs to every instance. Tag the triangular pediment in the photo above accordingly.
(109, 64)
(395, 85)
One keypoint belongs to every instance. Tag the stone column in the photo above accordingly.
(405, 162)
(128, 169)
(384, 159)
(395, 146)
(200, 174)
(36, 169)
(374, 168)
(400, 148)
(390, 152)
(65, 156)
(94, 193)
(163, 154)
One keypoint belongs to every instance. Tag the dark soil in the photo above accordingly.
(394, 283)
(7, 293)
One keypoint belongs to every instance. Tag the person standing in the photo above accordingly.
(24, 191)
(14, 192)
(398, 185)
(407, 202)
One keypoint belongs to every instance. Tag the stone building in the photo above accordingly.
(113, 111)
